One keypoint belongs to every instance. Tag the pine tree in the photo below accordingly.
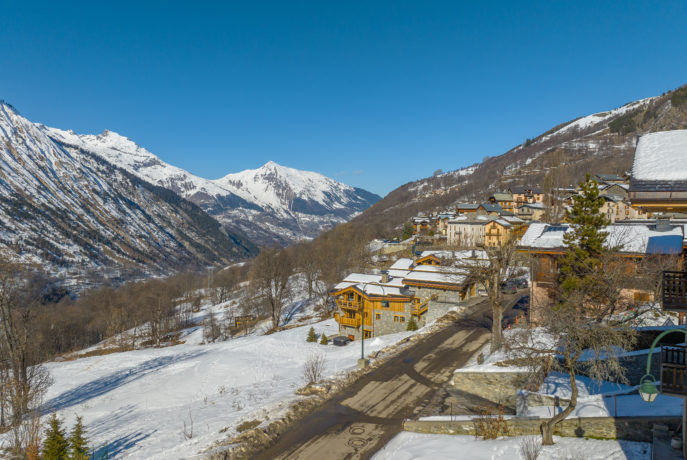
(585, 242)
(412, 325)
(78, 441)
(311, 335)
(55, 445)
(324, 340)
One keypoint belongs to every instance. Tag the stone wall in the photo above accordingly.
(497, 387)
(626, 428)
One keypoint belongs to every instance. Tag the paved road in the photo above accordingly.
(363, 418)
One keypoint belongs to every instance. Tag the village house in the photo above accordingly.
(422, 289)
(505, 200)
(467, 231)
(617, 209)
(489, 209)
(530, 211)
(526, 194)
(421, 224)
(635, 240)
(466, 208)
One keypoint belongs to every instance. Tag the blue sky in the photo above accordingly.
(372, 93)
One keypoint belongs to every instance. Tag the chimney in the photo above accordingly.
(385, 276)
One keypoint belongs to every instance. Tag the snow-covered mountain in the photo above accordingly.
(271, 205)
(72, 212)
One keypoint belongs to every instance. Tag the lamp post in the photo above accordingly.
(649, 392)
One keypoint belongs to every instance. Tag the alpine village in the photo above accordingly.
(531, 305)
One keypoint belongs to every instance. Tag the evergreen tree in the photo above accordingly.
(585, 242)
(78, 442)
(55, 446)
(412, 325)
(407, 231)
(311, 335)
(324, 340)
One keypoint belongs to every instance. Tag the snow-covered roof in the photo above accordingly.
(629, 238)
(436, 274)
(661, 156)
(456, 255)
(402, 264)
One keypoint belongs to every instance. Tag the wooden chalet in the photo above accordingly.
(526, 194)
(422, 289)
(544, 242)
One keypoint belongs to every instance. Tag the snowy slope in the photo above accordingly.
(135, 403)
(271, 204)
(70, 211)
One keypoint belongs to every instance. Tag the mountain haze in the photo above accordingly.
(273, 204)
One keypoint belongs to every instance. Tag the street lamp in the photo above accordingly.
(647, 389)
(649, 392)
(362, 362)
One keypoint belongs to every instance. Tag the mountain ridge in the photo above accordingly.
(272, 204)
(74, 213)
(601, 142)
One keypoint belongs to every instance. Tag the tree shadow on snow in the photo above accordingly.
(114, 448)
(105, 384)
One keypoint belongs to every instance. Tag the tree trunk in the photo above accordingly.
(496, 328)
(548, 426)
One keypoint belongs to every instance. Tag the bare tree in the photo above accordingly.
(557, 177)
(269, 277)
(571, 342)
(493, 273)
(314, 368)
(25, 380)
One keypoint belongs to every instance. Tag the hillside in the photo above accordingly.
(602, 142)
(272, 205)
(72, 213)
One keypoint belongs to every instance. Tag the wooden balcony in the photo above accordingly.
(350, 322)
(349, 305)
(674, 296)
(673, 370)
(421, 308)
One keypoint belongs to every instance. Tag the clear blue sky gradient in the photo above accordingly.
(372, 93)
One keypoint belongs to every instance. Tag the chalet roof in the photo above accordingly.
(491, 207)
(502, 196)
(631, 238)
(661, 157)
(518, 189)
(436, 274)
(512, 219)
(609, 177)
(467, 205)
(457, 255)
(402, 264)
(532, 205)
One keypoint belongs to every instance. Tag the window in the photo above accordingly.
(403, 319)
(367, 334)
(385, 303)
(378, 316)
(395, 319)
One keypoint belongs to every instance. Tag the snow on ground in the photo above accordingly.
(135, 403)
(417, 446)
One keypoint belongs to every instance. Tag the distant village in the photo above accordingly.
(430, 273)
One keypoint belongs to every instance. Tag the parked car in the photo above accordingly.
(341, 340)
(508, 288)
(520, 283)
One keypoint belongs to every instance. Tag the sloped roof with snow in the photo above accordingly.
(628, 238)
(661, 156)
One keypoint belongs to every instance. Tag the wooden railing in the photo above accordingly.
(422, 307)
(349, 304)
(674, 291)
(673, 370)
(350, 322)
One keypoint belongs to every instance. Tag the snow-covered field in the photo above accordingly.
(416, 446)
(134, 404)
